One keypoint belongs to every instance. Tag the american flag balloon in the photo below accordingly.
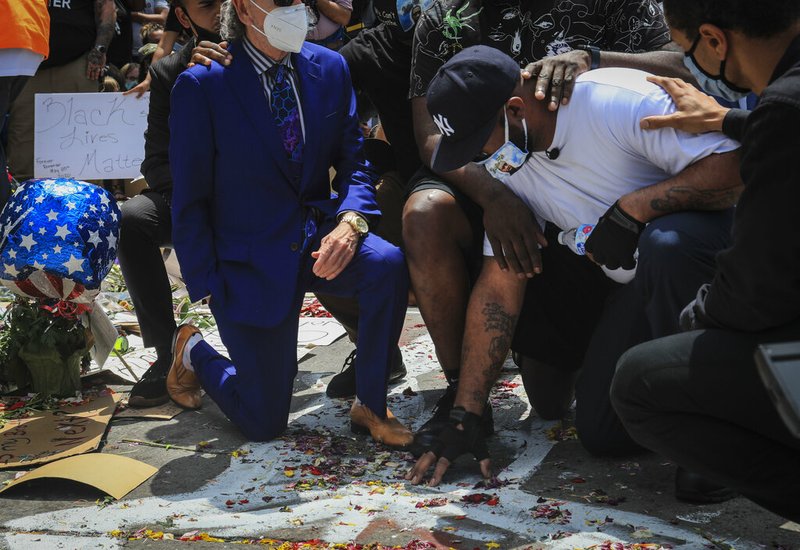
(58, 239)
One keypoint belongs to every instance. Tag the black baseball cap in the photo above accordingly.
(464, 98)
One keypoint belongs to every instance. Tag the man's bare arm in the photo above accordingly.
(712, 183)
(144, 18)
(105, 16)
(335, 12)
(555, 76)
(509, 223)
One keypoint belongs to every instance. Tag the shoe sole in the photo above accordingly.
(137, 402)
(358, 429)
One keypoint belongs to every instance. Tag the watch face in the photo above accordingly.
(361, 225)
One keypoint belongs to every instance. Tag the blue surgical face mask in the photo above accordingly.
(716, 85)
(509, 158)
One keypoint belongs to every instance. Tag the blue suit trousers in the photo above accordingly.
(254, 387)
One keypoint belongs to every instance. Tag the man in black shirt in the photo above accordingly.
(80, 32)
(146, 223)
(696, 397)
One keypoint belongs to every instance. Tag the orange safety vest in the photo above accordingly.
(26, 24)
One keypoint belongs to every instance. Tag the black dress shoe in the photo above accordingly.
(343, 385)
(428, 432)
(151, 389)
(696, 489)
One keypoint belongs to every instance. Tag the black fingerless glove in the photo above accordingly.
(615, 238)
(454, 442)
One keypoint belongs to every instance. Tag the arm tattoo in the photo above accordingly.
(680, 199)
(498, 321)
(105, 16)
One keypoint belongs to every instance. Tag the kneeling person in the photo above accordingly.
(588, 161)
(255, 227)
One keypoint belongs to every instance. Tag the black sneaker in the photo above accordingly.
(696, 489)
(343, 385)
(151, 389)
(428, 432)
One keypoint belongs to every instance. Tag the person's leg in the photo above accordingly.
(10, 88)
(697, 399)
(676, 256)
(254, 387)
(377, 278)
(69, 78)
(621, 325)
(560, 310)
(145, 226)
(438, 236)
(20, 126)
(390, 196)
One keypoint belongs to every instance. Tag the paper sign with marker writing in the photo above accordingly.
(49, 435)
(89, 136)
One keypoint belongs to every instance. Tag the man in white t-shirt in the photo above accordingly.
(587, 163)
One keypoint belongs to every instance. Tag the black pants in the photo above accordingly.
(380, 65)
(575, 318)
(697, 399)
(145, 227)
(10, 87)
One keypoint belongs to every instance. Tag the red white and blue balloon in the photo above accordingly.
(59, 239)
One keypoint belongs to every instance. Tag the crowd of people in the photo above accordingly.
(659, 138)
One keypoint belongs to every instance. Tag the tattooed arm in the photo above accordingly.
(712, 183)
(105, 17)
(491, 319)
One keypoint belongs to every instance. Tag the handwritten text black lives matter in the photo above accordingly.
(90, 135)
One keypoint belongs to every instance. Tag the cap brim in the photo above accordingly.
(453, 154)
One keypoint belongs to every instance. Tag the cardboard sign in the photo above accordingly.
(89, 136)
(50, 435)
(113, 474)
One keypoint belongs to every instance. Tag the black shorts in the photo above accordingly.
(562, 306)
(423, 179)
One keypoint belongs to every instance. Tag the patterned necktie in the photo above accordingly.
(287, 116)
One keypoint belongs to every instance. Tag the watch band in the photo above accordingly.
(594, 52)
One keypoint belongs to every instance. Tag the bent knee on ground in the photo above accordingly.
(431, 218)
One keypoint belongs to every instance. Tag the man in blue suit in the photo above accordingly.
(255, 227)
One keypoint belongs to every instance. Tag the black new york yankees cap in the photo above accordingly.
(464, 99)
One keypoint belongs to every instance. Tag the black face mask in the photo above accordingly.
(203, 33)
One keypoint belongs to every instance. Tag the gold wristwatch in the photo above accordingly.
(357, 222)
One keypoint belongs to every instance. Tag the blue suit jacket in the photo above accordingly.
(238, 210)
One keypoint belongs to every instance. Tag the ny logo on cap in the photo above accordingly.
(444, 125)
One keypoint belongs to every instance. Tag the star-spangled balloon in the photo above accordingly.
(58, 239)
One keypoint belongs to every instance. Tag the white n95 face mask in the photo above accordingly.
(285, 27)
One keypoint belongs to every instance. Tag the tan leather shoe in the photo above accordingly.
(182, 384)
(388, 431)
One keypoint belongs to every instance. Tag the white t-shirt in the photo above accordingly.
(603, 153)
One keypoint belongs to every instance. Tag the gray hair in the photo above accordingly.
(230, 26)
